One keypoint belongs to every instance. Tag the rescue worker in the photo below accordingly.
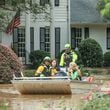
(68, 56)
(44, 69)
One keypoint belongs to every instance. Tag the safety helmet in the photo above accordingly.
(67, 46)
(47, 59)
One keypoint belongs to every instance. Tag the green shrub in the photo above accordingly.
(91, 53)
(79, 60)
(29, 73)
(98, 103)
(107, 59)
(9, 64)
(4, 104)
(36, 57)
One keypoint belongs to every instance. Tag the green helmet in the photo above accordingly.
(67, 46)
(47, 58)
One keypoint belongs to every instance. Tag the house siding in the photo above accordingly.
(59, 18)
(6, 39)
(99, 34)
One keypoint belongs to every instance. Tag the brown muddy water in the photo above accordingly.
(16, 101)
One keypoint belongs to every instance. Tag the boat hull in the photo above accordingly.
(42, 86)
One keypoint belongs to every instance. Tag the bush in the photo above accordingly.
(91, 53)
(29, 73)
(36, 57)
(79, 60)
(9, 64)
(107, 59)
(98, 103)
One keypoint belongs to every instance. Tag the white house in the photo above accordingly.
(71, 22)
(87, 22)
(40, 34)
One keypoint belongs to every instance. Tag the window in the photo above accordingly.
(76, 37)
(86, 32)
(57, 41)
(43, 2)
(108, 38)
(45, 39)
(19, 42)
(31, 39)
(56, 2)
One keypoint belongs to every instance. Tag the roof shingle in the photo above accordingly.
(84, 11)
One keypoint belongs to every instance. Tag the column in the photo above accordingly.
(27, 36)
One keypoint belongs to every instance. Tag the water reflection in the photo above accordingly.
(45, 102)
(17, 101)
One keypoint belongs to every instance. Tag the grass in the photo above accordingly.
(4, 105)
(91, 71)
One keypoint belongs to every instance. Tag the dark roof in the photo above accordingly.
(84, 11)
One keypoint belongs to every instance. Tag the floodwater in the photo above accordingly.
(15, 101)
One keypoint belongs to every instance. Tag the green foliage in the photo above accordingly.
(4, 104)
(36, 57)
(107, 59)
(29, 73)
(79, 60)
(91, 53)
(104, 8)
(9, 64)
(4, 19)
(85, 71)
(98, 103)
(10, 7)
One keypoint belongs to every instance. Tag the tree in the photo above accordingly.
(104, 9)
(10, 7)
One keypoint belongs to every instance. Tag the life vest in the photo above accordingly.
(54, 70)
(68, 58)
(44, 70)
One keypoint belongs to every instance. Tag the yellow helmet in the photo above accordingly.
(67, 46)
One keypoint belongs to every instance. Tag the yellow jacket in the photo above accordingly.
(62, 60)
(43, 70)
(54, 71)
